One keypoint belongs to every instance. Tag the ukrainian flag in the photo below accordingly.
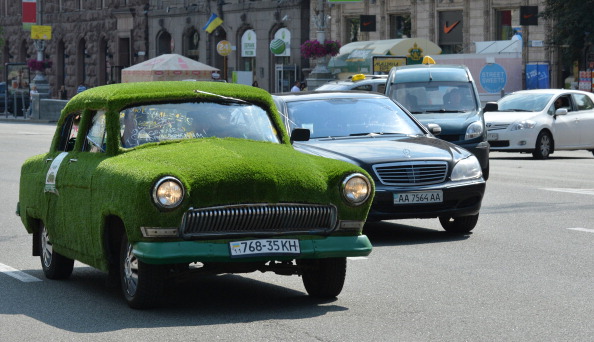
(213, 22)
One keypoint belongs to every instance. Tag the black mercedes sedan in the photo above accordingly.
(416, 174)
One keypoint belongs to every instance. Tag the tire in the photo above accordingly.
(459, 225)
(55, 266)
(142, 284)
(323, 278)
(544, 146)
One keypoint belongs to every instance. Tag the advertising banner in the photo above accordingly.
(29, 8)
(537, 76)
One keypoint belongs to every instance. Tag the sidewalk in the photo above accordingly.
(12, 118)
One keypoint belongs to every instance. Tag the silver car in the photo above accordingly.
(541, 122)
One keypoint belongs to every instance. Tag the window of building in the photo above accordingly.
(400, 26)
(191, 41)
(352, 29)
(163, 43)
(505, 22)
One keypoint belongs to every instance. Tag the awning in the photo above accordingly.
(168, 67)
(357, 57)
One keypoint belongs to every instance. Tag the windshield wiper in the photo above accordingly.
(446, 111)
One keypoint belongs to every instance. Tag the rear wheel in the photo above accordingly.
(323, 278)
(142, 283)
(459, 225)
(544, 146)
(55, 265)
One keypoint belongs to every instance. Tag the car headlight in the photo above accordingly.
(467, 168)
(168, 193)
(474, 130)
(526, 124)
(356, 189)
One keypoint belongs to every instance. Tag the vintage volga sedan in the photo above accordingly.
(416, 175)
(151, 180)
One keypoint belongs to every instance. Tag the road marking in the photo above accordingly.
(13, 272)
(357, 258)
(572, 191)
(582, 229)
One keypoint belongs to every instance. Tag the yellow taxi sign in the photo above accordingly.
(41, 32)
(357, 77)
(428, 60)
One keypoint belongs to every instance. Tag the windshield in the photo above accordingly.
(435, 97)
(524, 102)
(335, 117)
(194, 120)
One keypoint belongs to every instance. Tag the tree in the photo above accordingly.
(573, 27)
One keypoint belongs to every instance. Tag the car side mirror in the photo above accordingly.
(300, 134)
(561, 111)
(491, 107)
(435, 129)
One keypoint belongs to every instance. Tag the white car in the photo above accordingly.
(541, 122)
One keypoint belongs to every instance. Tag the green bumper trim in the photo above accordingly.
(201, 251)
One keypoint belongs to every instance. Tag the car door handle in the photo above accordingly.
(72, 160)
(48, 160)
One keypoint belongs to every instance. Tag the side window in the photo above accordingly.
(583, 102)
(69, 132)
(366, 87)
(95, 139)
(381, 88)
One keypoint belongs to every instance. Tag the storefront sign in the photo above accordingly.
(281, 44)
(248, 44)
(493, 78)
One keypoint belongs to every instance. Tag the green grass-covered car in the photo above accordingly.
(147, 181)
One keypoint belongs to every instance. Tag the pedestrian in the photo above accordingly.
(303, 86)
(81, 87)
(296, 87)
(62, 93)
(32, 92)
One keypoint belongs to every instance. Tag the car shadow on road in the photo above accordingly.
(389, 233)
(83, 304)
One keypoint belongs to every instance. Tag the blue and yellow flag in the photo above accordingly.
(213, 22)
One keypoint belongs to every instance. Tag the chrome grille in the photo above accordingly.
(412, 173)
(258, 219)
(494, 126)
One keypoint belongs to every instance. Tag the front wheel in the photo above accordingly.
(459, 225)
(323, 278)
(142, 283)
(544, 146)
(55, 265)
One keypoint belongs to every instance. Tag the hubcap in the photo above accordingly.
(545, 145)
(46, 248)
(130, 272)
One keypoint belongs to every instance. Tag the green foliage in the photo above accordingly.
(573, 27)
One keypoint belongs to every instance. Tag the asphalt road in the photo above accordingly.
(525, 274)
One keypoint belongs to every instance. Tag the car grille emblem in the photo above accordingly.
(406, 153)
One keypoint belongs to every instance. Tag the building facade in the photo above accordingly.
(92, 40)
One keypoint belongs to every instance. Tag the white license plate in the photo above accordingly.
(435, 196)
(264, 247)
(492, 136)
